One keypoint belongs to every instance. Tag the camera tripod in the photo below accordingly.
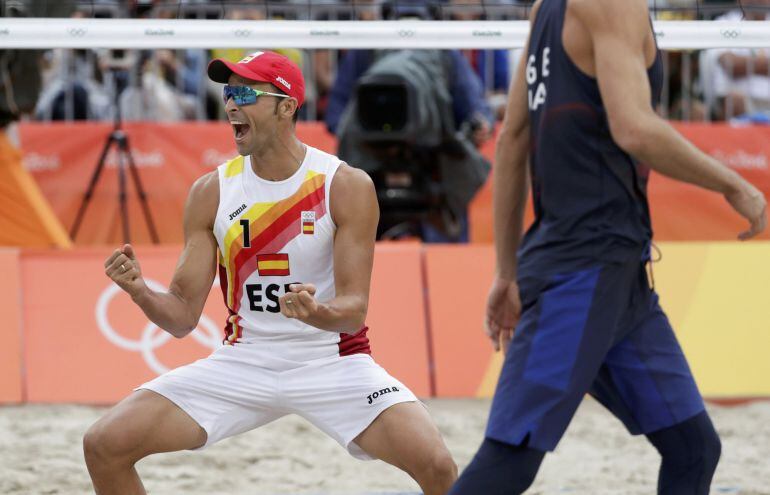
(119, 139)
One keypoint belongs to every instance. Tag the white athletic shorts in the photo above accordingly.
(227, 394)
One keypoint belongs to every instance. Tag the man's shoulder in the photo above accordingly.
(352, 195)
(202, 202)
(348, 179)
(206, 182)
(204, 193)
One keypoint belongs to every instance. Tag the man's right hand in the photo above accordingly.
(751, 204)
(123, 268)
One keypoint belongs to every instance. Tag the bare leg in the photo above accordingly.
(143, 423)
(404, 435)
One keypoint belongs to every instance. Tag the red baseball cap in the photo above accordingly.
(262, 66)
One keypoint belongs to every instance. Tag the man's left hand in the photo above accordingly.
(300, 302)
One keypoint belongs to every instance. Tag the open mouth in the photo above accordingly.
(240, 129)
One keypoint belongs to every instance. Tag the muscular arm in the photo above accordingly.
(178, 310)
(509, 197)
(355, 211)
(618, 30)
(510, 172)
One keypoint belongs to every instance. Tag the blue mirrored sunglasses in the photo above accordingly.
(244, 95)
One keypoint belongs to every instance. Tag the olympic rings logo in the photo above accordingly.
(730, 33)
(77, 32)
(152, 336)
(406, 33)
(242, 33)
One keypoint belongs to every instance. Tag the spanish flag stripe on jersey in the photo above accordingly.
(290, 232)
(285, 228)
(270, 229)
(272, 257)
(261, 214)
(275, 265)
(279, 242)
(258, 210)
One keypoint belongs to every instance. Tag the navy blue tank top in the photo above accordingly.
(590, 196)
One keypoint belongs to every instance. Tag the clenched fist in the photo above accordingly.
(123, 268)
(300, 302)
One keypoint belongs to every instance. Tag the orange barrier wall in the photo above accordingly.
(715, 295)
(85, 341)
(61, 157)
(458, 279)
(396, 317)
(84, 337)
(10, 327)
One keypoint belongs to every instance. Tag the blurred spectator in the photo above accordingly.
(21, 69)
(150, 96)
(182, 68)
(737, 81)
(323, 77)
(72, 87)
(490, 65)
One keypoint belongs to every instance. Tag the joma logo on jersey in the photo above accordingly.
(378, 393)
(236, 212)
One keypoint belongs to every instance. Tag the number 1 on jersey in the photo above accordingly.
(246, 235)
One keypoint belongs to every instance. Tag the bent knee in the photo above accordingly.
(711, 450)
(691, 444)
(441, 467)
(107, 442)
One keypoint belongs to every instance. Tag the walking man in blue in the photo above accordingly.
(575, 287)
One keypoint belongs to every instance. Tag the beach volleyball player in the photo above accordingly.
(576, 298)
(292, 231)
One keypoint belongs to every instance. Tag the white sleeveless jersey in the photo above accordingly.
(271, 234)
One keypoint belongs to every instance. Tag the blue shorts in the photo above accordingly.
(599, 331)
